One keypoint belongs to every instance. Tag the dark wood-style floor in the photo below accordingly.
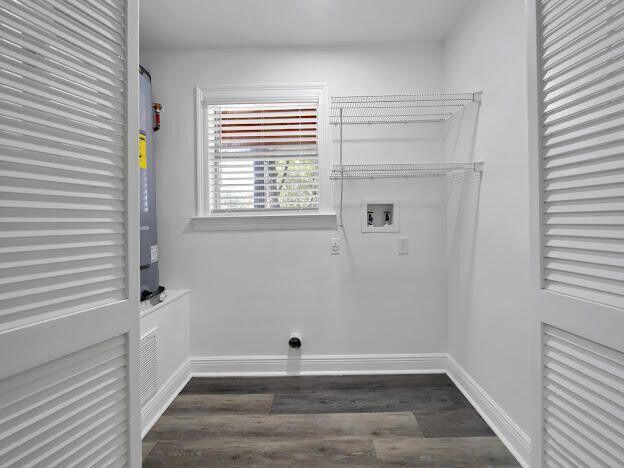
(397, 420)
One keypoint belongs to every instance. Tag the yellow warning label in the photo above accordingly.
(142, 151)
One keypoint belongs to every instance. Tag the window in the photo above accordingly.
(262, 156)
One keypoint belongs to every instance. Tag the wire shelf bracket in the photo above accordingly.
(398, 108)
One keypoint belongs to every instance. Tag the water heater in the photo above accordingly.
(150, 287)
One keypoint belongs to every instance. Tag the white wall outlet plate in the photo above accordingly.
(403, 246)
(334, 246)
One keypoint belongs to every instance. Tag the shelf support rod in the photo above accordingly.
(341, 171)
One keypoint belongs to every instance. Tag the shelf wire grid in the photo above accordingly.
(398, 108)
(394, 171)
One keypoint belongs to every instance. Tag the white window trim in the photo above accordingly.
(323, 218)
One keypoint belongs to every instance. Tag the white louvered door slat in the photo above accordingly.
(582, 138)
(68, 213)
(64, 409)
(583, 401)
(62, 156)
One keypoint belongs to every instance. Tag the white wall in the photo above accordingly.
(251, 289)
(488, 291)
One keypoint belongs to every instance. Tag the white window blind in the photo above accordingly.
(62, 156)
(582, 148)
(263, 156)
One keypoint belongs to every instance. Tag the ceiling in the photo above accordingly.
(180, 24)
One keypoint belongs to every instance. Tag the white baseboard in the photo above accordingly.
(223, 366)
(514, 438)
(156, 406)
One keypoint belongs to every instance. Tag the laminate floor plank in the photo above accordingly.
(257, 403)
(455, 422)
(146, 448)
(458, 452)
(184, 427)
(209, 452)
(425, 398)
(233, 385)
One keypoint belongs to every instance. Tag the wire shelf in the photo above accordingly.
(398, 108)
(396, 171)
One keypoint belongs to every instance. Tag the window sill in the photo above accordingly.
(265, 222)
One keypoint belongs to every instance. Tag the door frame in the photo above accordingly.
(132, 231)
(26, 344)
(547, 306)
(535, 219)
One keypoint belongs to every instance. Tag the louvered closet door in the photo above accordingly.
(578, 248)
(68, 229)
(583, 148)
(583, 401)
(63, 155)
(68, 412)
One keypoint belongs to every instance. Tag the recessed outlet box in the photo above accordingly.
(380, 216)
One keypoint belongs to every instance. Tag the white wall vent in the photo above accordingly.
(149, 365)
(583, 402)
(68, 412)
(582, 148)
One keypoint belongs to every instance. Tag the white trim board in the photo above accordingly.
(266, 222)
(156, 406)
(514, 438)
(295, 364)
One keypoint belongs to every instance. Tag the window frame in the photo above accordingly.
(321, 218)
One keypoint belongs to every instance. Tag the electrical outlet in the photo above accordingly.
(403, 246)
(335, 246)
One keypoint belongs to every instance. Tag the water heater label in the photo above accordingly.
(142, 151)
(154, 253)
